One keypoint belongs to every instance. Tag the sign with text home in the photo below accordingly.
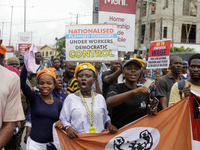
(121, 12)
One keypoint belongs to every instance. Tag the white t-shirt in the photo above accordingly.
(38, 66)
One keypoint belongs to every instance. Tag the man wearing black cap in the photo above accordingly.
(184, 74)
(128, 101)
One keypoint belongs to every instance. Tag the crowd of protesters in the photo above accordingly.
(81, 98)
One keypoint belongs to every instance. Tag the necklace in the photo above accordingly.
(92, 129)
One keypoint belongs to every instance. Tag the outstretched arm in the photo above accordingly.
(25, 88)
(111, 78)
(120, 98)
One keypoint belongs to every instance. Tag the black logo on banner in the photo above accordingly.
(144, 142)
(196, 108)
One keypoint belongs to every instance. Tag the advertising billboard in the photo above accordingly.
(121, 12)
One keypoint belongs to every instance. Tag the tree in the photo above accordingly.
(61, 47)
(181, 49)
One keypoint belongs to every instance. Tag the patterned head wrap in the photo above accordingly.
(9, 60)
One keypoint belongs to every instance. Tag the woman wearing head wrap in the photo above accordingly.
(85, 111)
(45, 108)
(14, 62)
(128, 101)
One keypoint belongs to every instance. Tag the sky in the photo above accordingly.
(46, 19)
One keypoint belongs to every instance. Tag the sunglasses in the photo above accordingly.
(185, 67)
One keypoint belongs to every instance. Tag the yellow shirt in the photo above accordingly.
(174, 94)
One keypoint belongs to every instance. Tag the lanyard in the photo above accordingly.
(90, 113)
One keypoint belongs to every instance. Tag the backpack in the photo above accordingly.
(181, 85)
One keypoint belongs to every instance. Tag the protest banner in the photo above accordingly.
(121, 12)
(10, 52)
(170, 129)
(159, 54)
(24, 40)
(91, 42)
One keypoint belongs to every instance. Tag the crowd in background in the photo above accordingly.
(82, 98)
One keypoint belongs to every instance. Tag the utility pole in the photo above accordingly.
(76, 17)
(2, 31)
(161, 28)
(139, 27)
(11, 25)
(24, 15)
(148, 22)
(173, 25)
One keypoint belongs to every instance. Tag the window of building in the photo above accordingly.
(153, 8)
(50, 52)
(188, 34)
(46, 53)
(166, 3)
(42, 54)
(165, 32)
(144, 8)
(152, 31)
(142, 33)
(190, 8)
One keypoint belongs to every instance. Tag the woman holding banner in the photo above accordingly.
(128, 101)
(85, 111)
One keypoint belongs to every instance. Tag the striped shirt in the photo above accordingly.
(73, 86)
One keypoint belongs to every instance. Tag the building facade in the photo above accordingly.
(158, 18)
(47, 51)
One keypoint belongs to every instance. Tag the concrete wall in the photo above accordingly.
(167, 20)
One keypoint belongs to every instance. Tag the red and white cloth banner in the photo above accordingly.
(169, 129)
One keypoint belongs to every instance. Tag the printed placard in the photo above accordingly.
(159, 54)
(91, 42)
(121, 12)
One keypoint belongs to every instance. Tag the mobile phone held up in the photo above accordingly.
(153, 104)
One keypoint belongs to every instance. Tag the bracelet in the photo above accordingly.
(109, 124)
(67, 127)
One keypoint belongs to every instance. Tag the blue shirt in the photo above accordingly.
(43, 115)
(65, 83)
(60, 94)
(62, 71)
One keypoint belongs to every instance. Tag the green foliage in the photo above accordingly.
(181, 49)
(60, 48)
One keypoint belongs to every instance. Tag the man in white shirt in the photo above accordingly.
(10, 102)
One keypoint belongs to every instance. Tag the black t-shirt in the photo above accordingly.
(130, 110)
(105, 85)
